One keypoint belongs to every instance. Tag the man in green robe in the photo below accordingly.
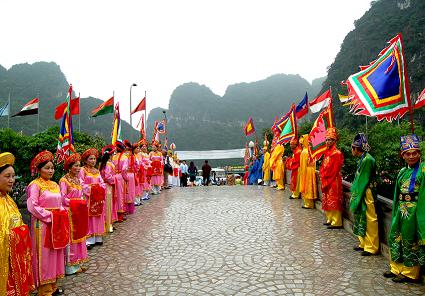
(407, 235)
(363, 197)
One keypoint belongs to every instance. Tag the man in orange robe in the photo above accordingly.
(292, 164)
(330, 176)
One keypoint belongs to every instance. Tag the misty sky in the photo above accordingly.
(105, 46)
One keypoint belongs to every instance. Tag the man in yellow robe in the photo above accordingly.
(266, 167)
(278, 166)
(307, 172)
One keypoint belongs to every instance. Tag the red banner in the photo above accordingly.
(20, 281)
(96, 200)
(79, 219)
(57, 232)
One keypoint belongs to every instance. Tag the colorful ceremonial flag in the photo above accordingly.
(161, 127)
(66, 139)
(104, 108)
(343, 99)
(116, 126)
(302, 108)
(4, 110)
(381, 89)
(249, 128)
(286, 127)
(317, 135)
(75, 108)
(420, 101)
(321, 102)
(140, 107)
(29, 108)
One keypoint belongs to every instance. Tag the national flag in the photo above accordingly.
(302, 108)
(317, 135)
(4, 111)
(116, 126)
(29, 108)
(286, 127)
(75, 108)
(140, 107)
(381, 89)
(420, 101)
(161, 127)
(249, 128)
(66, 139)
(104, 108)
(321, 102)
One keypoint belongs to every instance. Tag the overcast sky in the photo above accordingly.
(105, 46)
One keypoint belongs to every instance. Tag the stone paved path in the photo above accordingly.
(230, 241)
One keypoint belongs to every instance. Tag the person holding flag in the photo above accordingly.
(330, 176)
(363, 196)
(407, 235)
(307, 173)
(293, 163)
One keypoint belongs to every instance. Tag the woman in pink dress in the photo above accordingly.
(128, 175)
(107, 171)
(138, 174)
(43, 200)
(157, 163)
(120, 163)
(94, 192)
(71, 190)
(145, 167)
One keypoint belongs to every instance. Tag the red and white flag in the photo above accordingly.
(140, 107)
(321, 102)
(29, 108)
(420, 101)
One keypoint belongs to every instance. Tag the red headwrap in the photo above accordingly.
(88, 152)
(41, 157)
(71, 159)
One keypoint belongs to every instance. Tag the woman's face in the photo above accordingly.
(154, 148)
(411, 157)
(75, 169)
(47, 171)
(136, 150)
(7, 179)
(330, 142)
(91, 161)
(144, 148)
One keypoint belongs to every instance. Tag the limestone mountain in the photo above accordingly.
(47, 82)
(199, 119)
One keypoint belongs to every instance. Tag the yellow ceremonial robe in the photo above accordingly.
(278, 166)
(266, 166)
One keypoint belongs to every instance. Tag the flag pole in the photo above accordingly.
(8, 114)
(366, 126)
(38, 113)
(79, 114)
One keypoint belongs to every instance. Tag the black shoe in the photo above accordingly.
(388, 274)
(326, 223)
(404, 279)
(304, 207)
(366, 253)
(358, 249)
(335, 227)
(292, 197)
(99, 243)
(59, 291)
(89, 247)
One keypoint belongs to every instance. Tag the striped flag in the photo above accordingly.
(321, 102)
(4, 111)
(66, 139)
(29, 108)
(104, 108)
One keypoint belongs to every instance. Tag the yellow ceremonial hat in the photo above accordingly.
(6, 158)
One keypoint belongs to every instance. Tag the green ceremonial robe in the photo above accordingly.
(407, 234)
(364, 179)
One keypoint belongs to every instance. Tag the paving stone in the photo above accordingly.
(230, 240)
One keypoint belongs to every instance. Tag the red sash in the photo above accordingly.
(176, 172)
(79, 219)
(157, 168)
(57, 232)
(149, 171)
(96, 200)
(20, 280)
